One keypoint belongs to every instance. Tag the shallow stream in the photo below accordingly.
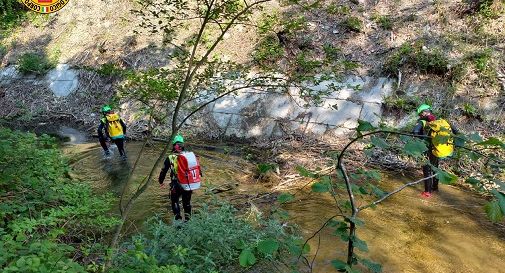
(447, 233)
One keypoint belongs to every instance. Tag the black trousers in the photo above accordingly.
(431, 184)
(176, 192)
(119, 143)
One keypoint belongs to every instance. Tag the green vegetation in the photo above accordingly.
(268, 52)
(335, 9)
(332, 53)
(268, 23)
(214, 240)
(353, 23)
(401, 103)
(363, 190)
(490, 9)
(305, 64)
(484, 66)
(429, 62)
(384, 21)
(109, 69)
(48, 223)
(35, 63)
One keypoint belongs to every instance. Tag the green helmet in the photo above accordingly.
(106, 108)
(178, 138)
(422, 108)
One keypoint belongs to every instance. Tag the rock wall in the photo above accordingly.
(254, 113)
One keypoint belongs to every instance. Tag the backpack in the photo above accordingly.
(440, 132)
(187, 169)
(114, 127)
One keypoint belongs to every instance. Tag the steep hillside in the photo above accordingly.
(448, 53)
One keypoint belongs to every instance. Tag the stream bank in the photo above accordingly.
(447, 233)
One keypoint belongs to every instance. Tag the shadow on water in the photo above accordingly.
(447, 233)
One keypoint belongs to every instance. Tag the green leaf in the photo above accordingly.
(364, 126)
(493, 211)
(240, 244)
(304, 172)
(247, 258)
(355, 220)
(320, 187)
(473, 181)
(500, 197)
(415, 148)
(475, 137)
(473, 156)
(338, 264)
(360, 244)
(445, 177)
(263, 168)
(492, 141)
(374, 267)
(285, 197)
(349, 269)
(362, 190)
(379, 142)
(378, 192)
(268, 246)
(459, 140)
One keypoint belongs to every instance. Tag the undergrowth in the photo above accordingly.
(214, 240)
(48, 223)
(419, 57)
(35, 63)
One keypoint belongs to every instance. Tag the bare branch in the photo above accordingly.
(319, 230)
(395, 191)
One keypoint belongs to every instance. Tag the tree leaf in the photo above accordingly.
(415, 148)
(475, 137)
(500, 197)
(355, 220)
(338, 264)
(445, 177)
(473, 181)
(285, 197)
(374, 267)
(360, 244)
(473, 156)
(349, 269)
(247, 258)
(492, 141)
(493, 211)
(364, 126)
(320, 187)
(268, 246)
(379, 142)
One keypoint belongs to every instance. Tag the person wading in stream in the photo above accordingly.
(185, 175)
(115, 131)
(441, 143)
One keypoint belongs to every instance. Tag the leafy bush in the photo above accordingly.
(429, 62)
(34, 63)
(490, 9)
(268, 51)
(46, 220)
(353, 24)
(383, 21)
(268, 22)
(401, 103)
(214, 240)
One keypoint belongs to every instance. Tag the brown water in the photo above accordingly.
(447, 233)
